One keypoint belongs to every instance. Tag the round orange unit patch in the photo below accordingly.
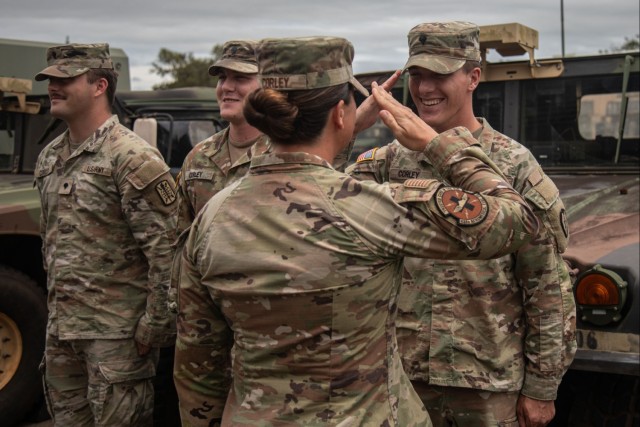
(468, 208)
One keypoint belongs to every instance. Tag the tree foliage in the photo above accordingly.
(184, 69)
(630, 43)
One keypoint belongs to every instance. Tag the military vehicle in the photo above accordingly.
(579, 116)
(173, 120)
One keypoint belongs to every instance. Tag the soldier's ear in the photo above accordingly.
(101, 86)
(474, 78)
(338, 115)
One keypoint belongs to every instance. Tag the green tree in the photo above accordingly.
(630, 43)
(184, 68)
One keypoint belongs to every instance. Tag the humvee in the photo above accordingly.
(579, 116)
(172, 120)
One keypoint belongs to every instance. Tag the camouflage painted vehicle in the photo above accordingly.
(580, 117)
(23, 309)
(173, 120)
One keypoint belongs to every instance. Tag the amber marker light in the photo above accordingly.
(597, 289)
(600, 295)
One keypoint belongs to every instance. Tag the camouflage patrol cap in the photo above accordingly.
(237, 55)
(443, 47)
(72, 60)
(302, 63)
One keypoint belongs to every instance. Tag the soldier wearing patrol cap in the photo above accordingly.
(224, 157)
(108, 205)
(289, 276)
(485, 343)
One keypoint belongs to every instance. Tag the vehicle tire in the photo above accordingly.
(165, 412)
(596, 399)
(23, 320)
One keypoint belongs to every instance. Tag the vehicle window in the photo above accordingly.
(488, 102)
(600, 116)
(177, 138)
(39, 130)
(7, 136)
(200, 130)
(569, 122)
(377, 135)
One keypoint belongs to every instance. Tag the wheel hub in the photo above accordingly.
(10, 349)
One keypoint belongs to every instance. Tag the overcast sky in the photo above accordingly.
(378, 29)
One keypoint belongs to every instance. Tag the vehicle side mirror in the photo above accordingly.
(147, 129)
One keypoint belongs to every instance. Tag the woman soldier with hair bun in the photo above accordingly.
(292, 272)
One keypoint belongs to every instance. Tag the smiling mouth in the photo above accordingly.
(431, 102)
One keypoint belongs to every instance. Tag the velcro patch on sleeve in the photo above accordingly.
(166, 192)
(367, 155)
(147, 173)
(467, 208)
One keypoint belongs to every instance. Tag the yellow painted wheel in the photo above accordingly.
(23, 321)
(10, 349)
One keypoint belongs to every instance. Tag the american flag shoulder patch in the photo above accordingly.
(367, 155)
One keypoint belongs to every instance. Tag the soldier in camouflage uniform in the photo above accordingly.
(479, 338)
(108, 213)
(224, 157)
(292, 272)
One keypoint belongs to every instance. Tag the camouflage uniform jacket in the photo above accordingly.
(505, 324)
(297, 267)
(206, 170)
(106, 222)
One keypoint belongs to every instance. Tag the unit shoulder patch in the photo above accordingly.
(468, 208)
(166, 192)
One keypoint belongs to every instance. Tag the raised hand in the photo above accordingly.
(409, 129)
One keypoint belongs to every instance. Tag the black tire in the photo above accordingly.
(24, 303)
(596, 399)
(165, 412)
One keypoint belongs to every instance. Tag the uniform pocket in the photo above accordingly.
(127, 370)
(544, 195)
(117, 372)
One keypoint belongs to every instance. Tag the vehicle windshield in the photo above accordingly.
(19, 137)
(570, 121)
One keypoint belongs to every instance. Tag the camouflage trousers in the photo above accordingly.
(98, 382)
(466, 407)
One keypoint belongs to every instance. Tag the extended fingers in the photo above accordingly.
(391, 81)
(385, 100)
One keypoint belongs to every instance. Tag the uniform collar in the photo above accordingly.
(218, 151)
(94, 142)
(275, 161)
(218, 144)
(485, 138)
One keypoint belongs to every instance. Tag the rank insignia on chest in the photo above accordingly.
(367, 155)
(468, 208)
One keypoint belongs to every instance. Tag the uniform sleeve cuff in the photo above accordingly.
(540, 388)
(444, 146)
